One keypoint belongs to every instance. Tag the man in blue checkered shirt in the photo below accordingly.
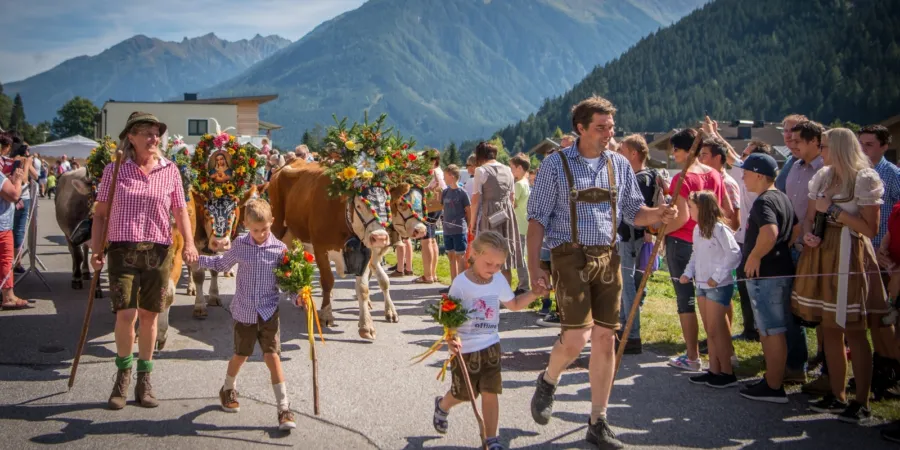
(585, 262)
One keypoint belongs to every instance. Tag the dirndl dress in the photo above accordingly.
(853, 296)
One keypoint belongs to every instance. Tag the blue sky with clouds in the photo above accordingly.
(36, 35)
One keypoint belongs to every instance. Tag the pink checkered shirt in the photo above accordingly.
(140, 210)
(257, 290)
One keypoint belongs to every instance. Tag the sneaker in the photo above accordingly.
(703, 378)
(286, 420)
(542, 401)
(600, 434)
(493, 444)
(829, 405)
(819, 387)
(763, 393)
(794, 376)
(856, 413)
(549, 321)
(892, 433)
(682, 362)
(722, 381)
(439, 421)
(228, 399)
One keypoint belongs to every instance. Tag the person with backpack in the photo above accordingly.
(653, 186)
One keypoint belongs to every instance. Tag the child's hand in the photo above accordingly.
(539, 290)
(455, 346)
(684, 279)
(712, 283)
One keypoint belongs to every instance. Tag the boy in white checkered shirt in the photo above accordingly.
(255, 305)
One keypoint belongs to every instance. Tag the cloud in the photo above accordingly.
(39, 34)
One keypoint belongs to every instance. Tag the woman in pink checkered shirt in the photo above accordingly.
(148, 188)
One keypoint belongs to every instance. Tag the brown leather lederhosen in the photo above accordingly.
(588, 278)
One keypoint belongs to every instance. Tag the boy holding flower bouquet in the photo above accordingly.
(478, 293)
(255, 306)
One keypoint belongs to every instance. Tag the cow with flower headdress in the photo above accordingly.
(342, 206)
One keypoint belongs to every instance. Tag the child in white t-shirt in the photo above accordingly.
(481, 289)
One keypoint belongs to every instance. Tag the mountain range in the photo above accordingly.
(142, 69)
(443, 69)
(734, 59)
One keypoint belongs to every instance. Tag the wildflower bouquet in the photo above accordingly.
(99, 158)
(294, 274)
(451, 315)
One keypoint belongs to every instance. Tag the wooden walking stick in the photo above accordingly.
(96, 278)
(660, 243)
(465, 372)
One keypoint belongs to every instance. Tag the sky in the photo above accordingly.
(36, 35)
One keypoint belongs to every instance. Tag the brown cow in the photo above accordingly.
(302, 206)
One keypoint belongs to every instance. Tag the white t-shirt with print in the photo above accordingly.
(482, 330)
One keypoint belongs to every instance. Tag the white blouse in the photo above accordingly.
(714, 258)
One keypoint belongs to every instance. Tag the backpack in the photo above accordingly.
(660, 181)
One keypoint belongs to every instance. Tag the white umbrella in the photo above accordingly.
(74, 147)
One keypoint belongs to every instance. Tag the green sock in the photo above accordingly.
(123, 363)
(145, 366)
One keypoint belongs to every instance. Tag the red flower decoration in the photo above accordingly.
(447, 306)
(308, 257)
(287, 273)
(412, 157)
(240, 183)
(405, 146)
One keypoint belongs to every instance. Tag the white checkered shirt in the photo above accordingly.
(890, 177)
(141, 207)
(257, 291)
(549, 201)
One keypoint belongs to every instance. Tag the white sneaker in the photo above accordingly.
(682, 362)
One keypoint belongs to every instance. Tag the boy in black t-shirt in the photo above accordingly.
(767, 254)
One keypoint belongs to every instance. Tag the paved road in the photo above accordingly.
(371, 396)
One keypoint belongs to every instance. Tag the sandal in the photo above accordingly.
(408, 272)
(18, 304)
(423, 280)
(397, 274)
(439, 421)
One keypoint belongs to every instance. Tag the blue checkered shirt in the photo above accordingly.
(549, 201)
(257, 291)
(890, 176)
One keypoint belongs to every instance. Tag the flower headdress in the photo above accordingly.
(357, 157)
(99, 158)
(237, 175)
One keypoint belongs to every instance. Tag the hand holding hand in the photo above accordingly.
(190, 255)
(811, 240)
(539, 278)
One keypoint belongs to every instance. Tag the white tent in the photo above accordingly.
(73, 147)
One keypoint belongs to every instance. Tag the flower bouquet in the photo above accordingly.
(451, 315)
(99, 158)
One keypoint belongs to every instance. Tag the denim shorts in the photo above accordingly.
(431, 224)
(455, 243)
(771, 302)
(721, 295)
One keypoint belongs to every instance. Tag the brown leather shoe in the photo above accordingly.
(119, 395)
(143, 391)
(286, 420)
(229, 401)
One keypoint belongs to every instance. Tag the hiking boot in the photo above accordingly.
(286, 420)
(120, 390)
(602, 436)
(542, 401)
(229, 400)
(856, 413)
(818, 388)
(829, 405)
(143, 391)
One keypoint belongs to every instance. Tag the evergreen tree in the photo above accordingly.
(17, 117)
(558, 134)
(450, 155)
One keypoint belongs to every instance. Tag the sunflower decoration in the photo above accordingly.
(222, 167)
(178, 152)
(99, 158)
(358, 155)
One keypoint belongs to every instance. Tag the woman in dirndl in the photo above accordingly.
(846, 304)
(492, 204)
